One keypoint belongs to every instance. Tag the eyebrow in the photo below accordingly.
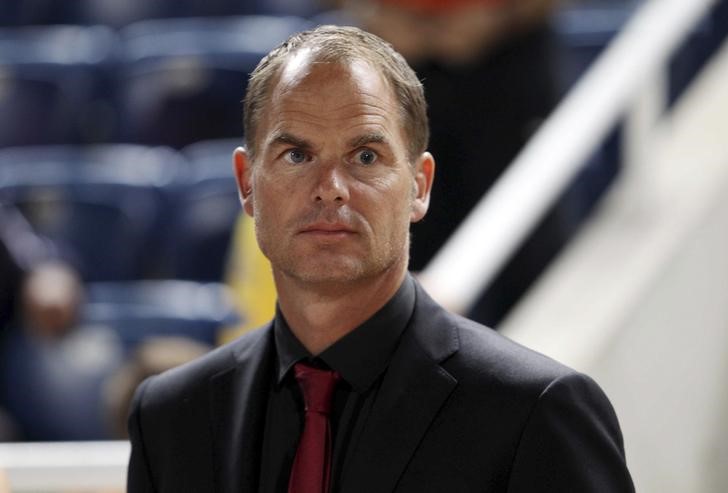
(371, 138)
(284, 138)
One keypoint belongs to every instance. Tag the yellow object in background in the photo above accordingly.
(250, 279)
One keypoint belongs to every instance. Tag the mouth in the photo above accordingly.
(327, 230)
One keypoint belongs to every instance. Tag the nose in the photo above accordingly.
(331, 185)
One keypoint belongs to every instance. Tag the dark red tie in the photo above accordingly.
(311, 469)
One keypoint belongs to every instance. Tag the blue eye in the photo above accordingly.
(367, 156)
(296, 156)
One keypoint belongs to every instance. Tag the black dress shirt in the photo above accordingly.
(361, 357)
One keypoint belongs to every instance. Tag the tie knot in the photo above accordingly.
(317, 386)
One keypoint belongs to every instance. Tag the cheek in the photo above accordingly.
(393, 211)
(277, 207)
(268, 193)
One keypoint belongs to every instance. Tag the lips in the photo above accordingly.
(327, 229)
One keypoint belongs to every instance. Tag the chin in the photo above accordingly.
(329, 274)
(341, 271)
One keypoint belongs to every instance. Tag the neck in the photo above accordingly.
(320, 315)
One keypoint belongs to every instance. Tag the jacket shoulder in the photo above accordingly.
(503, 358)
(477, 351)
(193, 376)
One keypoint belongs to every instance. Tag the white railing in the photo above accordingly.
(615, 86)
(63, 466)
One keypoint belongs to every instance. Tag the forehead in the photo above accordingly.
(338, 89)
(305, 68)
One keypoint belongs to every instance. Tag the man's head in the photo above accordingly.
(334, 179)
(333, 44)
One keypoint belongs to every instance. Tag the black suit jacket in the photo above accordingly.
(460, 409)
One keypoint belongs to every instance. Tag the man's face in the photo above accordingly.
(332, 189)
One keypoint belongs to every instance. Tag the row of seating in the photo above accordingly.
(136, 221)
(148, 226)
(175, 81)
(115, 13)
(123, 211)
(164, 82)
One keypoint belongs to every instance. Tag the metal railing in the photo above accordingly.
(624, 82)
(63, 466)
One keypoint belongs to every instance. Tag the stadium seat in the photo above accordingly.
(583, 31)
(54, 85)
(138, 310)
(118, 14)
(102, 204)
(182, 80)
(206, 205)
(37, 12)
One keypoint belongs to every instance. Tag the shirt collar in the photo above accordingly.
(361, 355)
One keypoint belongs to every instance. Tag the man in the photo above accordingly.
(416, 399)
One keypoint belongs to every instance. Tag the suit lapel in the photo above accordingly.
(238, 406)
(414, 389)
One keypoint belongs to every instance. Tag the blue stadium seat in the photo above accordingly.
(54, 85)
(583, 31)
(206, 206)
(116, 13)
(101, 203)
(35, 12)
(182, 80)
(139, 310)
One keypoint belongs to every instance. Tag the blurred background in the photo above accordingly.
(580, 206)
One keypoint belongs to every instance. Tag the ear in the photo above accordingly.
(424, 176)
(243, 176)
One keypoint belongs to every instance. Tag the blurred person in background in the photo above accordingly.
(37, 285)
(51, 298)
(49, 365)
(36, 290)
(32, 279)
(63, 378)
